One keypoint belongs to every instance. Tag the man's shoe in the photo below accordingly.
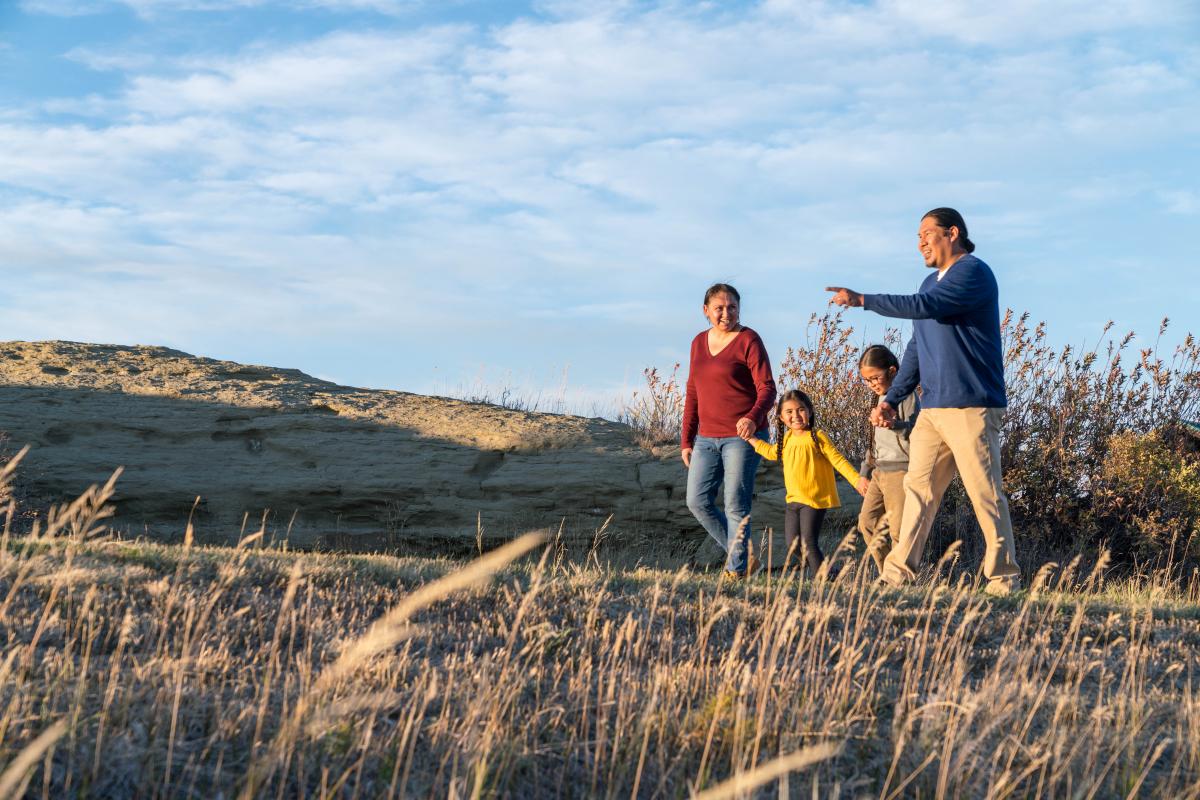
(1001, 587)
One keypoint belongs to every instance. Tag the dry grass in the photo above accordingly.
(131, 669)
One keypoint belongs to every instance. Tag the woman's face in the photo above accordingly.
(794, 415)
(878, 380)
(721, 310)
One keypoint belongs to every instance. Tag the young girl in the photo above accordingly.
(809, 459)
(887, 459)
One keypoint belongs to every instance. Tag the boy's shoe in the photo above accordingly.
(731, 576)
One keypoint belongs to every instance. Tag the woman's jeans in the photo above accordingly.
(734, 460)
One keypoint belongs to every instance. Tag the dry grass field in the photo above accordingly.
(130, 669)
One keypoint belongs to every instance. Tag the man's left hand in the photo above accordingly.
(846, 298)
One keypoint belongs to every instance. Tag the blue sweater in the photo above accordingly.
(955, 352)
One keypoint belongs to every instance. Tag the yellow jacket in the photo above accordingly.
(808, 468)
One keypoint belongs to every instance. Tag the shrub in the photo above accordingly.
(1068, 427)
(656, 414)
(1148, 492)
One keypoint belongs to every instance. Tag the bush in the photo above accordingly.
(1148, 493)
(656, 415)
(1069, 434)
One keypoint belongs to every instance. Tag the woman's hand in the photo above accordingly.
(862, 485)
(686, 455)
(745, 428)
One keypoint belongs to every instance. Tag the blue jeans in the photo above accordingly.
(734, 460)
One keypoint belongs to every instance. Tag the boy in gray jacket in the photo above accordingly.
(887, 458)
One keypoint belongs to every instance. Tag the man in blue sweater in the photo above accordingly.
(956, 356)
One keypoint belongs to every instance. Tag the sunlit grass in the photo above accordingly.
(151, 669)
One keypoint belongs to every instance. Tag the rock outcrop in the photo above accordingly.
(329, 465)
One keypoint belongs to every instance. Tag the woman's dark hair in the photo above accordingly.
(721, 288)
(879, 357)
(949, 218)
(781, 429)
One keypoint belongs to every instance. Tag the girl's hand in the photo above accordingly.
(862, 485)
(745, 428)
(686, 455)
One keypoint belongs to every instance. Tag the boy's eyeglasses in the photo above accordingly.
(873, 379)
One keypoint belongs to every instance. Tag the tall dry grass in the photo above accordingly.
(130, 669)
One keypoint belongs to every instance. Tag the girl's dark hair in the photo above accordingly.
(879, 357)
(721, 288)
(781, 429)
(949, 218)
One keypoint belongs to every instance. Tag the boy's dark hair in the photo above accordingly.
(878, 356)
(949, 218)
(721, 288)
(781, 429)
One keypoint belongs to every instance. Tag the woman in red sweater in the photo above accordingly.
(729, 391)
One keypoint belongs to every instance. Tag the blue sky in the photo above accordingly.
(424, 195)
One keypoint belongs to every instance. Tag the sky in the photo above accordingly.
(434, 196)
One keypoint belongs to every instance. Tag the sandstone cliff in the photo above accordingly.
(329, 465)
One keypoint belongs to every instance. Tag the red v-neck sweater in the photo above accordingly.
(722, 389)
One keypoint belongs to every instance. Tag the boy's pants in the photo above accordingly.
(969, 439)
(883, 506)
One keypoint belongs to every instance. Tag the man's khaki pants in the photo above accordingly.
(942, 439)
(882, 513)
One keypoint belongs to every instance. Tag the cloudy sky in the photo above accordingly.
(424, 195)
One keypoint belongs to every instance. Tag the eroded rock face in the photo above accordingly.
(325, 464)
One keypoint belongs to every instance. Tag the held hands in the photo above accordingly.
(883, 415)
(861, 486)
(745, 429)
(846, 298)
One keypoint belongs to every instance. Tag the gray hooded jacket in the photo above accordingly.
(889, 446)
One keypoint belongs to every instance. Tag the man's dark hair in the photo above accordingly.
(949, 218)
(721, 288)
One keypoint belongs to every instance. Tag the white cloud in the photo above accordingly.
(1181, 201)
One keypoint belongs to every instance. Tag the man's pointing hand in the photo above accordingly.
(844, 297)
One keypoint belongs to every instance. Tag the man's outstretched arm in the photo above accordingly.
(961, 289)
